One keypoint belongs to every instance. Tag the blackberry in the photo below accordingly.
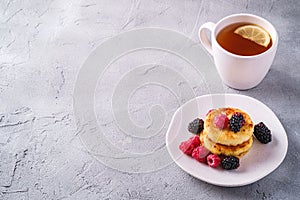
(236, 122)
(262, 133)
(230, 162)
(196, 126)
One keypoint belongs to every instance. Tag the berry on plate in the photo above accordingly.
(221, 121)
(196, 126)
(200, 153)
(188, 146)
(213, 160)
(236, 122)
(209, 111)
(230, 162)
(262, 133)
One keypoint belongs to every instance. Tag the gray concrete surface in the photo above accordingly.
(43, 45)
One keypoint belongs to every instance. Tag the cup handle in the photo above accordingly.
(203, 36)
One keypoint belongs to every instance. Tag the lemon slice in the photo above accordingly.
(255, 34)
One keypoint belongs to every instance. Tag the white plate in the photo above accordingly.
(260, 161)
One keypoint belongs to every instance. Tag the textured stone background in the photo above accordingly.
(42, 47)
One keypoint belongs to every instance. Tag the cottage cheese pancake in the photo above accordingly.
(226, 136)
(220, 149)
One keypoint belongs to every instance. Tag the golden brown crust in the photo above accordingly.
(220, 149)
(226, 136)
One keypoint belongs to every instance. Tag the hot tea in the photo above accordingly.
(244, 39)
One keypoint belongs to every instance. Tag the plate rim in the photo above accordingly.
(214, 182)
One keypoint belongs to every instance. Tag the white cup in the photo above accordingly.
(236, 71)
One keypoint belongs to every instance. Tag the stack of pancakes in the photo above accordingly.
(224, 141)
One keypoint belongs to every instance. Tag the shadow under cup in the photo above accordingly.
(243, 72)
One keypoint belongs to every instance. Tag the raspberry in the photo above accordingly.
(196, 126)
(221, 121)
(200, 153)
(262, 133)
(236, 122)
(230, 162)
(213, 160)
(188, 146)
(209, 111)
